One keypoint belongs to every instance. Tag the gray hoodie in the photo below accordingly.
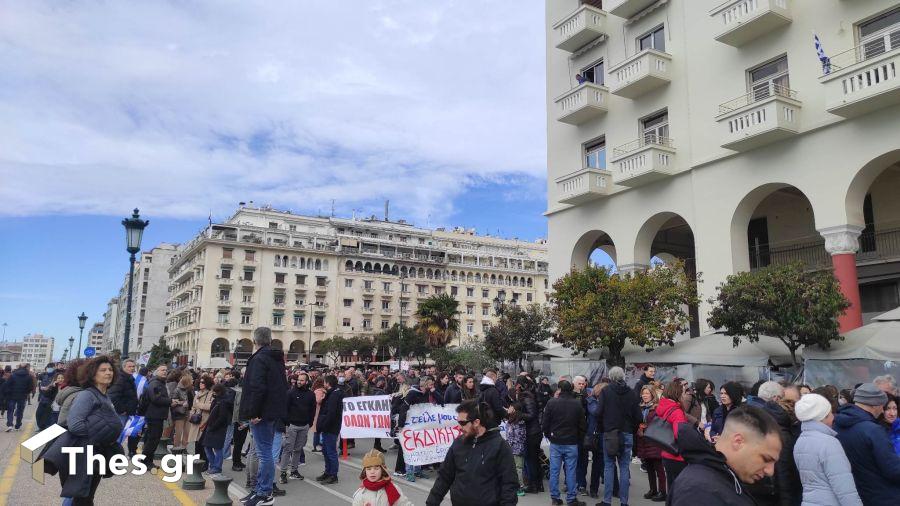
(65, 399)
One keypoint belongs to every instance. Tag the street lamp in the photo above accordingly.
(4, 331)
(498, 302)
(82, 318)
(71, 341)
(134, 230)
(400, 327)
(311, 305)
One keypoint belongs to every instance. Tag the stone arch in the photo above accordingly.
(297, 346)
(348, 266)
(277, 344)
(293, 262)
(386, 269)
(862, 182)
(403, 271)
(395, 270)
(421, 273)
(318, 264)
(244, 345)
(358, 266)
(587, 244)
(469, 278)
(219, 345)
(376, 267)
(368, 267)
(317, 347)
(302, 263)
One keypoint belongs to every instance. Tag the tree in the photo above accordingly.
(519, 331)
(412, 342)
(796, 307)
(438, 319)
(333, 348)
(593, 308)
(361, 345)
(160, 354)
(472, 355)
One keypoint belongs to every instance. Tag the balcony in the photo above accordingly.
(863, 80)
(224, 281)
(582, 104)
(763, 116)
(741, 21)
(579, 29)
(224, 302)
(643, 161)
(584, 185)
(627, 8)
(641, 73)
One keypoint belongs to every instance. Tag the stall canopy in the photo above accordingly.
(715, 349)
(879, 340)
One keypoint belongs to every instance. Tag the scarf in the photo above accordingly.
(392, 493)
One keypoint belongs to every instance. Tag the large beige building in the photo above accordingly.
(37, 350)
(95, 338)
(311, 278)
(711, 131)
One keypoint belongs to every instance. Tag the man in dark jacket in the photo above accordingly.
(479, 467)
(17, 389)
(564, 424)
(488, 393)
(123, 395)
(745, 452)
(876, 468)
(157, 409)
(263, 401)
(619, 416)
(530, 414)
(784, 487)
(453, 394)
(329, 426)
(300, 411)
(645, 379)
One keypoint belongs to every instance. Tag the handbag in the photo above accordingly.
(660, 433)
(612, 443)
(195, 418)
(590, 442)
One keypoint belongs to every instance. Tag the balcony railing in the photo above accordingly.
(745, 20)
(580, 28)
(640, 73)
(757, 95)
(584, 185)
(647, 140)
(765, 115)
(583, 103)
(881, 245)
(865, 78)
(644, 160)
(627, 8)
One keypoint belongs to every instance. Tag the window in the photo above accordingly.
(367, 304)
(300, 279)
(246, 318)
(529, 297)
(298, 300)
(320, 320)
(224, 295)
(278, 298)
(385, 324)
(367, 323)
(438, 290)
(403, 306)
(470, 309)
(226, 252)
(367, 285)
(273, 225)
(247, 296)
(595, 154)
(881, 34)
(485, 327)
(348, 283)
(485, 293)
(298, 320)
(485, 311)
(770, 77)
(470, 328)
(593, 73)
(279, 277)
(385, 305)
(223, 318)
(656, 39)
(249, 255)
(321, 280)
(292, 228)
(470, 292)
(226, 274)
(248, 275)
(423, 289)
(345, 322)
(656, 128)
(348, 302)
(879, 297)
(454, 290)
(277, 319)
(404, 288)
(386, 286)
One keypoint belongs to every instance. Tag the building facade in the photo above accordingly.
(312, 278)
(148, 304)
(37, 350)
(712, 132)
(10, 355)
(95, 338)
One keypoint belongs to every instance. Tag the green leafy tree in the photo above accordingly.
(411, 342)
(519, 330)
(438, 319)
(593, 308)
(798, 308)
(361, 345)
(160, 353)
(334, 348)
(472, 355)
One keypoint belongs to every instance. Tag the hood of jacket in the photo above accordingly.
(696, 450)
(20, 372)
(484, 386)
(850, 415)
(485, 380)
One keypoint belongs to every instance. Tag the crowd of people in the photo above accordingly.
(771, 444)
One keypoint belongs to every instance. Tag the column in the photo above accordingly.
(842, 243)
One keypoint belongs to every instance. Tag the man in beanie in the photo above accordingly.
(824, 469)
(876, 468)
(377, 488)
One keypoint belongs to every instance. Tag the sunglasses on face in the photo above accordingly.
(463, 423)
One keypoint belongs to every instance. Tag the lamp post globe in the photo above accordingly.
(134, 232)
(82, 318)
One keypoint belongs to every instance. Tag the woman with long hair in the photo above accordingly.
(200, 413)
(732, 396)
(705, 395)
(183, 395)
(649, 453)
(670, 410)
(468, 390)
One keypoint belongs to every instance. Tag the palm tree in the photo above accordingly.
(437, 317)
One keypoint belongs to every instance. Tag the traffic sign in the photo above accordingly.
(90, 351)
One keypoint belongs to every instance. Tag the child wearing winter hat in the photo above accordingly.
(377, 488)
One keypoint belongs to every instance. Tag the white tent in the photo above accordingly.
(714, 349)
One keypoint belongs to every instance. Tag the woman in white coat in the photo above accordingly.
(377, 488)
(820, 458)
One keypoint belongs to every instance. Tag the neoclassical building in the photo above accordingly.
(712, 132)
(310, 278)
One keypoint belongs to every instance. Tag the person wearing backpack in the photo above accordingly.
(671, 411)
(620, 417)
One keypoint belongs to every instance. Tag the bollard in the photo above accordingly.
(219, 496)
(195, 480)
(162, 449)
(345, 455)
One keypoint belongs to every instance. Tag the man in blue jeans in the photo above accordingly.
(619, 416)
(17, 388)
(329, 426)
(264, 400)
(564, 425)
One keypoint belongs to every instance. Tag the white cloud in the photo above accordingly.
(179, 107)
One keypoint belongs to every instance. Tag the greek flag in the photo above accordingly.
(826, 62)
(139, 382)
(133, 427)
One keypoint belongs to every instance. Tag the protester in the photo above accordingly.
(704, 392)
(478, 467)
(183, 395)
(731, 396)
(490, 394)
(377, 488)
(469, 391)
(515, 436)
(329, 426)
(650, 453)
(300, 410)
(213, 438)
(17, 389)
(155, 409)
(199, 414)
(529, 413)
(745, 451)
(647, 376)
(891, 422)
(876, 468)
(822, 464)
(783, 488)
(564, 424)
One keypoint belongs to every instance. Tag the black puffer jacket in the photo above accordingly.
(707, 479)
(123, 394)
(19, 385)
(618, 408)
(158, 395)
(785, 488)
(477, 471)
(530, 413)
(564, 422)
(330, 413)
(264, 386)
(301, 406)
(491, 396)
(217, 424)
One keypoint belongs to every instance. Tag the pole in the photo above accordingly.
(127, 310)
(309, 348)
(80, 335)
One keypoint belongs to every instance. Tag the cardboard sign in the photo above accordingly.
(429, 431)
(366, 417)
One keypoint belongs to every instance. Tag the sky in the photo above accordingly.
(184, 109)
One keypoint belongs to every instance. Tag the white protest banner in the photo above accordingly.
(429, 431)
(366, 417)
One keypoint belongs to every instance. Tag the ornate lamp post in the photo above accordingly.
(71, 341)
(82, 318)
(498, 302)
(134, 231)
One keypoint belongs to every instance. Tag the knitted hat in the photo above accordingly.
(870, 395)
(372, 459)
(812, 407)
